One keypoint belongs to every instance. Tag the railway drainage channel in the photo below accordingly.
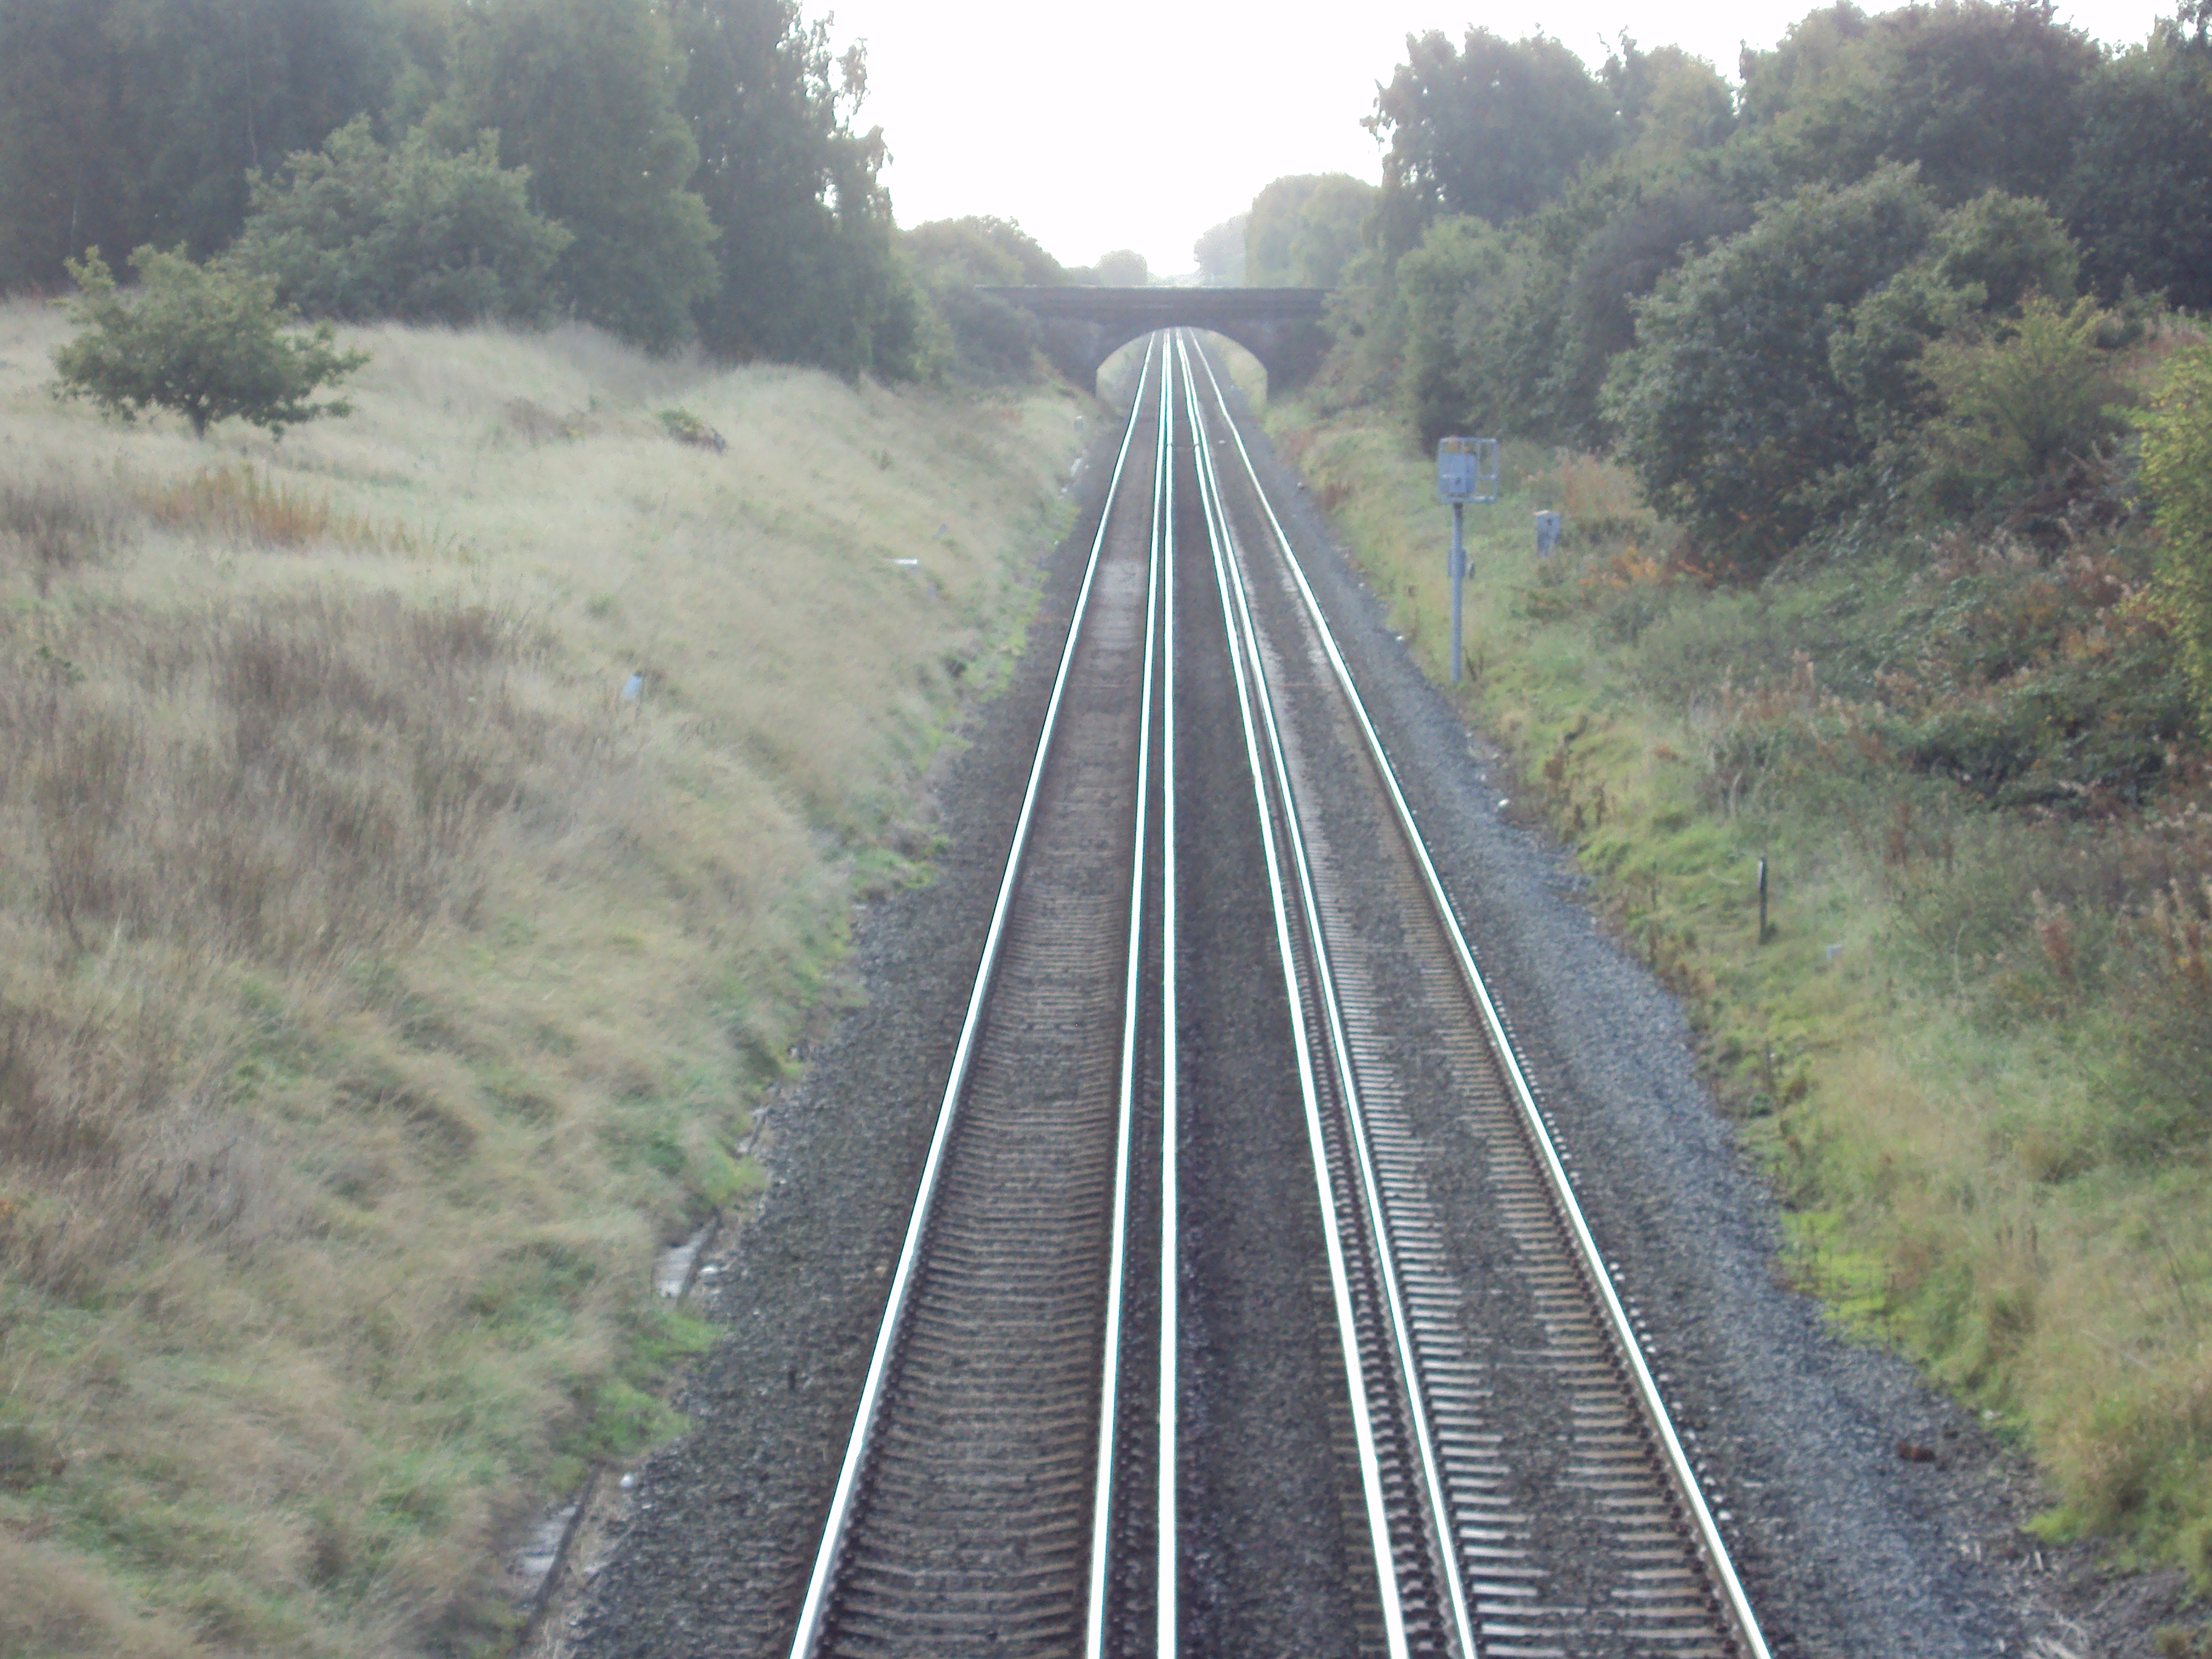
(1245, 1304)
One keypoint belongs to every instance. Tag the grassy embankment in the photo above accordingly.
(379, 987)
(1972, 1051)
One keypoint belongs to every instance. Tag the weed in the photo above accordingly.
(686, 428)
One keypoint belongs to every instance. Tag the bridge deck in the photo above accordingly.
(1169, 307)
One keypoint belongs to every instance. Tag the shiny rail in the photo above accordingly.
(1592, 1349)
(842, 1615)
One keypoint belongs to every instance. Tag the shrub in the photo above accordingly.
(206, 341)
(1728, 409)
(359, 232)
(686, 428)
(1990, 255)
(2178, 469)
(2021, 402)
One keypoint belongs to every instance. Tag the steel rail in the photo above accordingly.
(1370, 1189)
(1166, 1600)
(1680, 1470)
(815, 1607)
(1393, 1617)
(1109, 1388)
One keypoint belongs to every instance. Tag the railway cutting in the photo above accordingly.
(1245, 1303)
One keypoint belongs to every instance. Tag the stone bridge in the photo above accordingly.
(1084, 326)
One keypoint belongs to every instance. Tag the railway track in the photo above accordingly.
(1245, 1303)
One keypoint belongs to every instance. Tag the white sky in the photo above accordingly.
(1140, 123)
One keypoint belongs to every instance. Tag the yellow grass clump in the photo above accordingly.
(419, 840)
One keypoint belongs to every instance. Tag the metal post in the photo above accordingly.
(1458, 578)
(1762, 900)
(1467, 470)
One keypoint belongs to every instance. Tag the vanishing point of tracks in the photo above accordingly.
(1245, 1305)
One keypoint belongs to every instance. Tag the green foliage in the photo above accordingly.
(123, 122)
(807, 264)
(988, 252)
(1981, 96)
(1455, 287)
(1985, 257)
(1493, 130)
(2139, 196)
(1670, 101)
(203, 340)
(1616, 235)
(1219, 252)
(581, 93)
(2020, 401)
(1122, 268)
(359, 232)
(1304, 231)
(990, 340)
(1728, 407)
(2177, 472)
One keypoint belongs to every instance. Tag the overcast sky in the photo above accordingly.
(1141, 122)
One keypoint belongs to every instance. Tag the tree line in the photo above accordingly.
(1641, 257)
(669, 170)
(1908, 272)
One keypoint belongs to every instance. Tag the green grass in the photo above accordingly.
(380, 987)
(1969, 1052)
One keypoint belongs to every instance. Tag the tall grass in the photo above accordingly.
(52, 524)
(380, 986)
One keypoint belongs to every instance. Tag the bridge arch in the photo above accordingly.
(1084, 326)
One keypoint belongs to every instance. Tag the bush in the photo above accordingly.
(203, 340)
(360, 232)
(1728, 407)
(2177, 468)
(2020, 402)
(1990, 255)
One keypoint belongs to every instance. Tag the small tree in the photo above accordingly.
(1122, 268)
(206, 341)
(2019, 402)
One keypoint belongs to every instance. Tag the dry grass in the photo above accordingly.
(52, 523)
(379, 984)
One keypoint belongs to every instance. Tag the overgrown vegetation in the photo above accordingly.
(1972, 1051)
(380, 986)
(1874, 392)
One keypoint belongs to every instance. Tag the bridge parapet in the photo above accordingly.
(1084, 326)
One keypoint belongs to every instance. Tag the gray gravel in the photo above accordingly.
(1848, 1547)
